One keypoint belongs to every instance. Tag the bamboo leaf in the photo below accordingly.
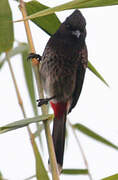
(29, 80)
(72, 5)
(31, 177)
(1, 177)
(95, 72)
(49, 23)
(69, 172)
(1, 64)
(114, 177)
(6, 27)
(24, 122)
(17, 50)
(75, 171)
(93, 135)
(41, 172)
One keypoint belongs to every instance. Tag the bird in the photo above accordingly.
(62, 71)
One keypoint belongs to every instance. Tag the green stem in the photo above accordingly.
(54, 169)
(17, 90)
(16, 86)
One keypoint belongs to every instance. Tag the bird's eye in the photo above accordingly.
(82, 30)
(70, 27)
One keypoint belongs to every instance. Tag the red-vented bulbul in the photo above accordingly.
(62, 71)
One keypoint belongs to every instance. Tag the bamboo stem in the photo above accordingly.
(17, 90)
(81, 150)
(54, 169)
(16, 86)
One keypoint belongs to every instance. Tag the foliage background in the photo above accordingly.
(97, 107)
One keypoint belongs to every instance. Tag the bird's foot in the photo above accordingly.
(33, 55)
(44, 101)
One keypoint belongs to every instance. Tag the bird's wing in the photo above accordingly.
(83, 55)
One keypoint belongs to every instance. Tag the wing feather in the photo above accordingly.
(83, 55)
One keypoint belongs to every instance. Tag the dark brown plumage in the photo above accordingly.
(62, 71)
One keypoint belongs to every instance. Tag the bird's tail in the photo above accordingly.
(58, 134)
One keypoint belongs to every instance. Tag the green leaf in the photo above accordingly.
(75, 171)
(6, 27)
(17, 50)
(22, 47)
(93, 69)
(68, 172)
(1, 64)
(72, 5)
(27, 67)
(41, 172)
(97, 3)
(24, 122)
(49, 23)
(1, 177)
(31, 177)
(93, 135)
(114, 177)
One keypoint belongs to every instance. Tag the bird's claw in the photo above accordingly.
(42, 102)
(33, 55)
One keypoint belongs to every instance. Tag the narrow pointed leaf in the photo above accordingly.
(17, 50)
(94, 71)
(49, 23)
(75, 171)
(41, 172)
(29, 80)
(114, 177)
(31, 177)
(72, 5)
(97, 3)
(1, 64)
(93, 135)
(6, 27)
(24, 122)
(1, 177)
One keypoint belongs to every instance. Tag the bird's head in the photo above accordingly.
(74, 25)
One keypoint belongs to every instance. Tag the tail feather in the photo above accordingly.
(58, 136)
